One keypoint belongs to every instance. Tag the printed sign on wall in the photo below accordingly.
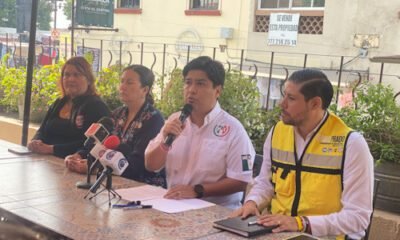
(283, 29)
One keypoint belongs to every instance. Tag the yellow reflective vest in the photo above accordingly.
(310, 184)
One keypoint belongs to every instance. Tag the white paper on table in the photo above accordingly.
(152, 195)
(175, 206)
(142, 193)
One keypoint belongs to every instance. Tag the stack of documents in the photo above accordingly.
(152, 195)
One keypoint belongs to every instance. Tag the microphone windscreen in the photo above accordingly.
(187, 109)
(112, 142)
(107, 122)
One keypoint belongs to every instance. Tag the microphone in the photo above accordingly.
(100, 130)
(111, 142)
(113, 161)
(185, 113)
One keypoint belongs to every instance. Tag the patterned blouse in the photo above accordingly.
(144, 127)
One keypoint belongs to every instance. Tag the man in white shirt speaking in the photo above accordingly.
(212, 155)
(317, 173)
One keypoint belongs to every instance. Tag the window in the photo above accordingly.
(129, 4)
(204, 4)
(289, 4)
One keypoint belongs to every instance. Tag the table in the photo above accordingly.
(40, 189)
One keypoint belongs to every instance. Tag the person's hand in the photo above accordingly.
(283, 223)
(172, 126)
(38, 146)
(248, 209)
(181, 192)
(75, 163)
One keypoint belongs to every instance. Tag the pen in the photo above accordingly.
(252, 223)
(138, 207)
(129, 204)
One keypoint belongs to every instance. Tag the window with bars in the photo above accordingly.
(204, 4)
(129, 3)
(289, 4)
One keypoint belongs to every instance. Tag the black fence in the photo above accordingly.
(269, 68)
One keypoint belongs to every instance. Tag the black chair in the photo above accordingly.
(256, 170)
(376, 187)
(257, 165)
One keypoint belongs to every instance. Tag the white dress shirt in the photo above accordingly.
(218, 149)
(358, 181)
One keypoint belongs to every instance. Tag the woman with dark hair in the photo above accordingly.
(62, 130)
(136, 123)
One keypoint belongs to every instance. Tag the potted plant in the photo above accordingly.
(377, 116)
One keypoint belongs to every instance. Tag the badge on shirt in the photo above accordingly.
(221, 130)
(246, 162)
(79, 121)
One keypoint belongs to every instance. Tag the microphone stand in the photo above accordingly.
(107, 187)
(90, 166)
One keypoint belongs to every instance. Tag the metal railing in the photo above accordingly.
(265, 66)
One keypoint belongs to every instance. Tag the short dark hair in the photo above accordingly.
(215, 70)
(314, 83)
(146, 78)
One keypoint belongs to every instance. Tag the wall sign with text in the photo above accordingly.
(95, 13)
(283, 29)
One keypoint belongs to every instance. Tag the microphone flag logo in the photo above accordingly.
(110, 155)
(121, 163)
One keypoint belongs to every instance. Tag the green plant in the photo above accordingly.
(13, 86)
(241, 98)
(44, 88)
(376, 115)
(107, 86)
(170, 97)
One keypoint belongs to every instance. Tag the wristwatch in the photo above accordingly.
(199, 190)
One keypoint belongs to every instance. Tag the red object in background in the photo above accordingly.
(44, 59)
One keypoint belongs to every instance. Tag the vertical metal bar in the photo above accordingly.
(305, 60)
(7, 47)
(141, 53)
(83, 46)
(163, 70)
(66, 48)
(241, 60)
(50, 50)
(381, 73)
(270, 77)
(188, 54)
(29, 72)
(101, 55)
(20, 51)
(120, 56)
(214, 52)
(339, 79)
(72, 27)
(55, 51)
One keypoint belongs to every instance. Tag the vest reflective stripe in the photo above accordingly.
(317, 189)
(308, 159)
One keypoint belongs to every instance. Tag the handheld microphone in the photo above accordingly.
(185, 113)
(113, 162)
